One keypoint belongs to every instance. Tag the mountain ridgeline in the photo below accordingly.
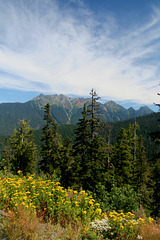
(64, 110)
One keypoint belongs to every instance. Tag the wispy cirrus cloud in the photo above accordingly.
(53, 48)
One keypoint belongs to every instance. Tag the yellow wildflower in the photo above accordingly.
(84, 212)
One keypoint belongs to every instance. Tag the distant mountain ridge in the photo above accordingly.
(64, 110)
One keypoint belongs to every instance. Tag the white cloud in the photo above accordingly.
(60, 49)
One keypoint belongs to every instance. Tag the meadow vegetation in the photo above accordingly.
(89, 189)
(38, 208)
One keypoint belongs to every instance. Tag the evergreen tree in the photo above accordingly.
(24, 151)
(156, 173)
(156, 137)
(131, 164)
(81, 146)
(93, 113)
(67, 164)
(51, 145)
(156, 194)
(124, 198)
(82, 136)
(123, 159)
(90, 154)
(143, 183)
(97, 162)
(6, 155)
(95, 123)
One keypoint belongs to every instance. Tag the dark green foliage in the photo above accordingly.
(93, 114)
(24, 152)
(81, 147)
(99, 162)
(124, 198)
(67, 131)
(6, 156)
(156, 170)
(131, 165)
(51, 145)
(148, 124)
(123, 159)
(97, 156)
(89, 147)
(156, 195)
(96, 163)
(102, 196)
(142, 181)
(82, 136)
(67, 164)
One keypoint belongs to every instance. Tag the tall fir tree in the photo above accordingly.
(51, 145)
(6, 156)
(156, 171)
(93, 113)
(89, 147)
(82, 135)
(156, 194)
(24, 151)
(81, 146)
(97, 163)
(131, 164)
(123, 159)
(67, 164)
(142, 179)
(99, 150)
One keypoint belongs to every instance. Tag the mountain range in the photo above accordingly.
(64, 110)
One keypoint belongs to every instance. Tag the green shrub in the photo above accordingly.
(124, 198)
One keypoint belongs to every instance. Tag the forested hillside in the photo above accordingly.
(107, 159)
(148, 125)
(64, 110)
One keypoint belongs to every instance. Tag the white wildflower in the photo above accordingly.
(100, 225)
(139, 237)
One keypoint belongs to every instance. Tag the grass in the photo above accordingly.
(150, 232)
(24, 224)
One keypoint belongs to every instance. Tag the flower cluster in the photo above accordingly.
(102, 225)
(121, 225)
(48, 198)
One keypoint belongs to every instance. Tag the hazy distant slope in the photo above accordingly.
(65, 110)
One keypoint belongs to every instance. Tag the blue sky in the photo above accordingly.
(70, 46)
